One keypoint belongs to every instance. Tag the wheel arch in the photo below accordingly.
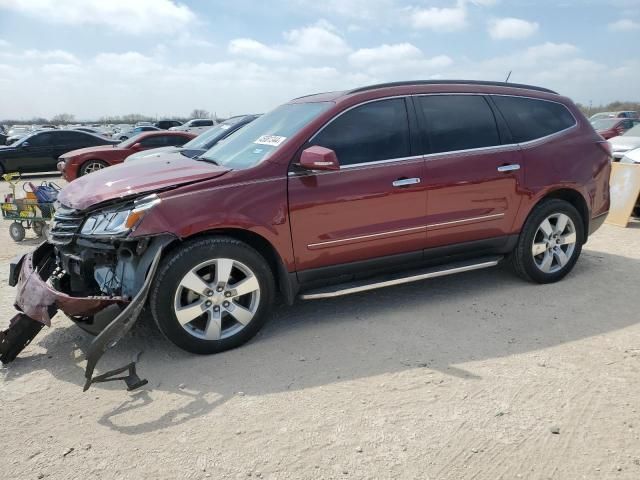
(287, 282)
(572, 196)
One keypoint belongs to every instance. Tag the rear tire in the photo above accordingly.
(92, 166)
(550, 242)
(199, 300)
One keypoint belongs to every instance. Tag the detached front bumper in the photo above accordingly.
(37, 302)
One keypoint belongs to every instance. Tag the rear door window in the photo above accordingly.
(530, 118)
(202, 123)
(374, 131)
(457, 122)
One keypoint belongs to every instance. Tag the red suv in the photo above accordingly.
(327, 195)
(76, 163)
(612, 127)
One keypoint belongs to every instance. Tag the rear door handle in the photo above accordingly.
(403, 182)
(509, 168)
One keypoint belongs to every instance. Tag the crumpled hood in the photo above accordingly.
(624, 142)
(145, 175)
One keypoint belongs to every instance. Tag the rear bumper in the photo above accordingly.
(597, 222)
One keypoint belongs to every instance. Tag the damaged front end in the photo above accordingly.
(94, 272)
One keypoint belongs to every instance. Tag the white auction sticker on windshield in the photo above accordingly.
(225, 127)
(272, 140)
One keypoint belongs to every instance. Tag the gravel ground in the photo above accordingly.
(475, 376)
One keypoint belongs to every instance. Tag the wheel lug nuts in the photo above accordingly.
(207, 303)
(227, 294)
(216, 309)
(208, 293)
(219, 289)
(225, 304)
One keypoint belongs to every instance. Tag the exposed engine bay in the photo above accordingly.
(99, 282)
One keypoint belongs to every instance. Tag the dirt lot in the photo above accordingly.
(463, 377)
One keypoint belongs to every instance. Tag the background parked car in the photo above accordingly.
(626, 142)
(122, 136)
(16, 132)
(39, 151)
(202, 142)
(612, 127)
(88, 130)
(197, 125)
(80, 162)
(167, 124)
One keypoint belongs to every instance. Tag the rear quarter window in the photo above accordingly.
(530, 119)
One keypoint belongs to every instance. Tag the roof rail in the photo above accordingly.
(450, 82)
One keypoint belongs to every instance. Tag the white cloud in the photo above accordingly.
(127, 16)
(35, 55)
(439, 19)
(398, 62)
(625, 25)
(549, 50)
(248, 47)
(511, 28)
(384, 53)
(355, 9)
(4, 43)
(320, 39)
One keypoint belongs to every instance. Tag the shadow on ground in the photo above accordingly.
(438, 324)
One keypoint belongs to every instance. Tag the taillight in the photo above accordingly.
(606, 146)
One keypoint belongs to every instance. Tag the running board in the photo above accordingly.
(400, 278)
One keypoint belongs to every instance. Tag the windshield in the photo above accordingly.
(210, 137)
(258, 140)
(633, 132)
(604, 123)
(129, 142)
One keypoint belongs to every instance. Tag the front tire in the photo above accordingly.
(212, 294)
(92, 166)
(550, 242)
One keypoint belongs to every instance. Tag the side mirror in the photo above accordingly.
(319, 158)
(137, 146)
(25, 144)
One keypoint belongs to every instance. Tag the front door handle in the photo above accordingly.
(509, 168)
(403, 182)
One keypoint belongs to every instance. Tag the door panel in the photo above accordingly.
(473, 182)
(468, 198)
(356, 213)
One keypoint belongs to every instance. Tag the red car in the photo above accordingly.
(324, 196)
(77, 163)
(612, 127)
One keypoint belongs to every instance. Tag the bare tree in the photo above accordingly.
(63, 118)
(200, 113)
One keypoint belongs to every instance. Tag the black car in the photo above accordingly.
(39, 151)
(167, 124)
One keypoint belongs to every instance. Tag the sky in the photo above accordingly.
(94, 58)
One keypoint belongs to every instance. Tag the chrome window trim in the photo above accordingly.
(430, 156)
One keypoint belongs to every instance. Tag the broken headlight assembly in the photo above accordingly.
(119, 221)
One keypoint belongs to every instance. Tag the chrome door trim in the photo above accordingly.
(403, 231)
(467, 220)
(362, 238)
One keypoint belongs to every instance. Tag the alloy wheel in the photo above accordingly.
(554, 243)
(217, 299)
(93, 167)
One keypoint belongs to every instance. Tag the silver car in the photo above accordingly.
(629, 140)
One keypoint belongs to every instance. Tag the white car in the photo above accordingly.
(197, 125)
(632, 157)
(629, 140)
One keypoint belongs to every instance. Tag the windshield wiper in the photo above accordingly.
(204, 159)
